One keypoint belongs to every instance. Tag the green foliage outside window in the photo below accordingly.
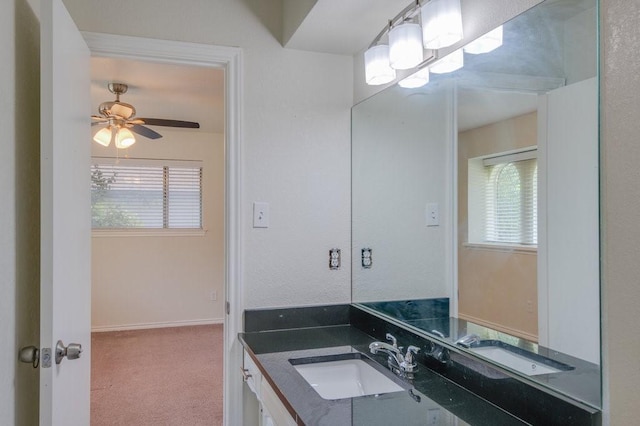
(105, 213)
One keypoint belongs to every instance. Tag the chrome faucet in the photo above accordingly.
(468, 341)
(403, 365)
(438, 352)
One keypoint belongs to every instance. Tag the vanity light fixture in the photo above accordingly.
(405, 46)
(376, 65)
(451, 62)
(485, 44)
(415, 80)
(441, 27)
(441, 23)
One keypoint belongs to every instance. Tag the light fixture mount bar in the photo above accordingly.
(408, 12)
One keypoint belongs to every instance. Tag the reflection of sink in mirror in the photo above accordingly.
(518, 359)
(346, 376)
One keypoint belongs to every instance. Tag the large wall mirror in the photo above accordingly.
(477, 196)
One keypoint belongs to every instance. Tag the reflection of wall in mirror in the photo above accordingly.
(496, 287)
(401, 162)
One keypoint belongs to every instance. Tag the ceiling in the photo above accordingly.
(190, 93)
(343, 27)
(332, 26)
(160, 90)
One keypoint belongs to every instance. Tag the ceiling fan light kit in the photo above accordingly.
(103, 137)
(121, 121)
(124, 138)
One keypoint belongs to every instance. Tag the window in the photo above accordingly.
(146, 194)
(503, 197)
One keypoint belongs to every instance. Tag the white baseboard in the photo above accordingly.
(148, 325)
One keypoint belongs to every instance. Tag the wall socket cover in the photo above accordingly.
(334, 258)
(367, 260)
(433, 214)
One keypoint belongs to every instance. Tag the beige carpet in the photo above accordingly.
(167, 376)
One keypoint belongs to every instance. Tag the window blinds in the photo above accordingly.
(146, 194)
(503, 199)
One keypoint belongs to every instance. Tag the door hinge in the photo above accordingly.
(228, 307)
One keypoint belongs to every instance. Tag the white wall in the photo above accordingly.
(296, 140)
(150, 281)
(19, 220)
(580, 58)
(402, 147)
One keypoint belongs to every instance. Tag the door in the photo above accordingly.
(571, 266)
(65, 224)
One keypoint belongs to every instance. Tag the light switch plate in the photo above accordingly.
(433, 214)
(260, 214)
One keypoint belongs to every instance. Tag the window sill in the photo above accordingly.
(510, 248)
(100, 233)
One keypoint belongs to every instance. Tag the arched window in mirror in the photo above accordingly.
(507, 209)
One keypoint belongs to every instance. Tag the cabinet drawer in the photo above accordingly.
(251, 374)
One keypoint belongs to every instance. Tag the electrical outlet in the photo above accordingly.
(334, 259)
(529, 306)
(213, 296)
(367, 260)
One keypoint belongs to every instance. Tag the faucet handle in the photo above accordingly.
(411, 350)
(394, 341)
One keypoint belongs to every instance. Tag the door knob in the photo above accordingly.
(72, 351)
(30, 355)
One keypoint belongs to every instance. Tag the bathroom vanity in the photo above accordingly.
(277, 341)
(475, 238)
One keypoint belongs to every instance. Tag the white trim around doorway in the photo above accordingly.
(229, 58)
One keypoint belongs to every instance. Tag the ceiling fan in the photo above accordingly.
(121, 121)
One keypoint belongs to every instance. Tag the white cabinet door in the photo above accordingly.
(65, 224)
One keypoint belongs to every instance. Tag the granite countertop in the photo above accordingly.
(582, 382)
(433, 400)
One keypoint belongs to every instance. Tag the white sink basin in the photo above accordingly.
(516, 362)
(344, 378)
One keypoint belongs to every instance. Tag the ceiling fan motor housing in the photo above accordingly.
(117, 108)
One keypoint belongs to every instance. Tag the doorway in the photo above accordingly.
(157, 243)
(230, 60)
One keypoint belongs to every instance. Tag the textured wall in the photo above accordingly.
(296, 139)
(620, 106)
(142, 281)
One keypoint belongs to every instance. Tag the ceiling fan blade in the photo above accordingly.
(145, 131)
(170, 123)
(97, 119)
